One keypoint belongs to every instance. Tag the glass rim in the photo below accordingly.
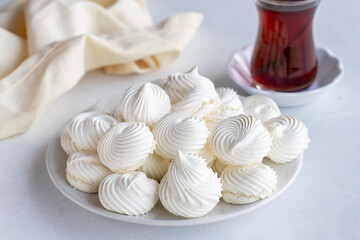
(288, 3)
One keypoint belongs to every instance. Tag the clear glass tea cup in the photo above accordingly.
(284, 57)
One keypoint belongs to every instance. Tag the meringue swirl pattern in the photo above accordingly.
(189, 189)
(126, 146)
(247, 184)
(200, 101)
(86, 129)
(207, 154)
(289, 138)
(130, 193)
(155, 167)
(85, 172)
(229, 105)
(146, 103)
(160, 82)
(110, 106)
(180, 131)
(178, 84)
(240, 140)
(67, 144)
(261, 107)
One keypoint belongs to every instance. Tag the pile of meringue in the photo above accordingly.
(182, 141)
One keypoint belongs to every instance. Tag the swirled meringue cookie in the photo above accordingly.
(84, 171)
(130, 193)
(155, 167)
(207, 154)
(229, 99)
(67, 144)
(146, 103)
(179, 131)
(179, 83)
(229, 105)
(189, 188)
(126, 146)
(240, 140)
(200, 101)
(261, 107)
(248, 183)
(160, 82)
(218, 166)
(110, 106)
(289, 138)
(86, 128)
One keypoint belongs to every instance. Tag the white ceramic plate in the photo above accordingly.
(330, 72)
(56, 164)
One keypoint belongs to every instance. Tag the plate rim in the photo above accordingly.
(160, 222)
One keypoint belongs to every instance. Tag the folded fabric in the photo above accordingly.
(65, 38)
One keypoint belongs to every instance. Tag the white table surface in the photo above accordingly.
(322, 203)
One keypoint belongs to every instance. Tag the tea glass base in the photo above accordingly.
(329, 73)
(299, 89)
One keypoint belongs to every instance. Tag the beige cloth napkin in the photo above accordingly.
(46, 46)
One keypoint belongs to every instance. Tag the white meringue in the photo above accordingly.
(200, 101)
(240, 140)
(189, 188)
(86, 129)
(67, 144)
(179, 83)
(160, 82)
(155, 167)
(218, 166)
(248, 183)
(229, 99)
(130, 193)
(110, 106)
(261, 107)
(146, 103)
(180, 131)
(126, 146)
(289, 138)
(229, 105)
(207, 154)
(85, 172)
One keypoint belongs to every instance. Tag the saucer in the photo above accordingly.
(330, 71)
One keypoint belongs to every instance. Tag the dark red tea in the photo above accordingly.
(284, 57)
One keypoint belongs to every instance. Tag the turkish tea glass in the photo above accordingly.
(284, 57)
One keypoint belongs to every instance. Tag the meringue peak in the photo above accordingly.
(179, 155)
(178, 84)
(145, 88)
(194, 69)
(240, 140)
(126, 146)
(180, 131)
(145, 102)
(132, 180)
(189, 188)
